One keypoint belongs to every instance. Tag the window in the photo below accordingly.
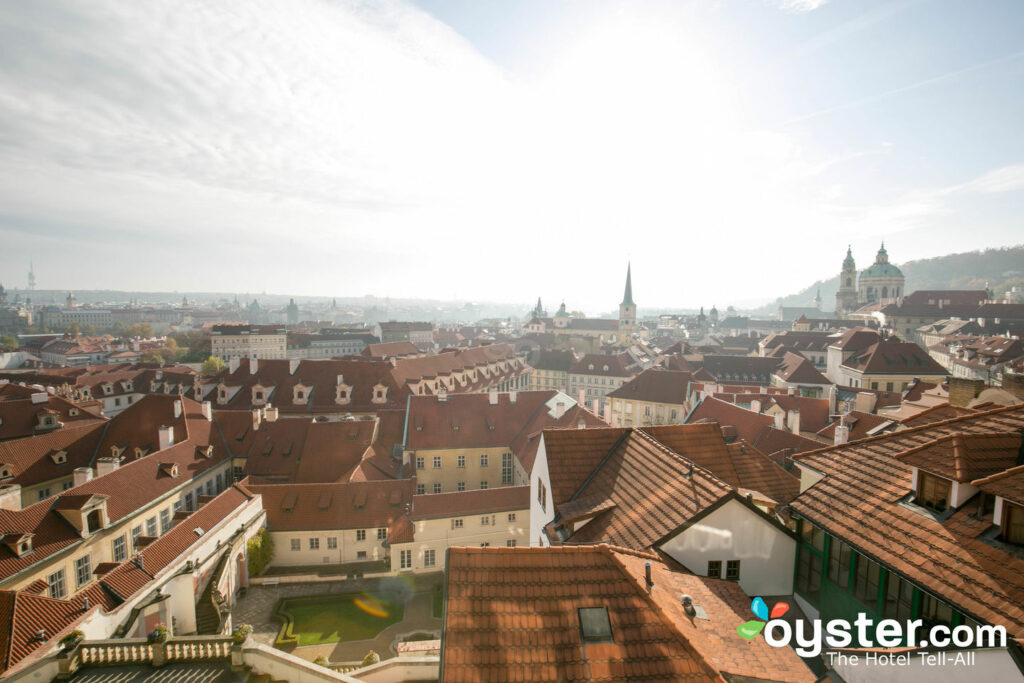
(421, 462)
(483, 485)
(136, 532)
(808, 574)
(932, 491)
(314, 544)
(296, 544)
(437, 487)
(429, 558)
(460, 461)
(332, 543)
(934, 611)
(121, 548)
(511, 543)
(542, 496)
(209, 487)
(382, 534)
(813, 535)
(151, 526)
(405, 559)
(839, 563)
(899, 598)
(360, 534)
(732, 570)
(44, 493)
(165, 521)
(594, 625)
(461, 486)
(437, 462)
(506, 469)
(483, 460)
(485, 545)
(511, 516)
(715, 569)
(361, 555)
(866, 586)
(83, 570)
(57, 584)
(66, 485)
(1013, 523)
(456, 523)
(485, 520)
(421, 489)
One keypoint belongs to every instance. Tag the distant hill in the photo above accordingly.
(1000, 269)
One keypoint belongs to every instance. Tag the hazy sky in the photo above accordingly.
(501, 150)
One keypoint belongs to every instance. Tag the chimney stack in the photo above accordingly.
(82, 475)
(559, 410)
(165, 434)
(794, 421)
(780, 419)
(270, 414)
(177, 409)
(208, 411)
(254, 366)
(107, 465)
(257, 418)
(233, 364)
(492, 397)
(842, 434)
(511, 397)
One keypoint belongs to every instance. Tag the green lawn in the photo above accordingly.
(332, 618)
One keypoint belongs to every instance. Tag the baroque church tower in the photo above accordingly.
(627, 309)
(846, 297)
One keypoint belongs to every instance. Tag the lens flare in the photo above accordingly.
(371, 606)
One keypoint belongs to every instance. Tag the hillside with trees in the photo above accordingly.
(999, 269)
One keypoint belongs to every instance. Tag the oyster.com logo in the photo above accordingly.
(750, 629)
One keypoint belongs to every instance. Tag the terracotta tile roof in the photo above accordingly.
(937, 413)
(796, 369)
(573, 455)
(740, 368)
(965, 457)
(473, 360)
(738, 464)
(472, 421)
(511, 614)
(615, 365)
(655, 491)
(814, 412)
(23, 614)
(559, 361)
(858, 501)
(856, 339)
(352, 505)
(475, 502)
(1008, 484)
(860, 424)
(657, 386)
(895, 357)
(31, 460)
(388, 350)
(19, 416)
(801, 341)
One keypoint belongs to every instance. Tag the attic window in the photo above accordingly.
(60, 457)
(594, 625)
(288, 504)
(73, 412)
(395, 498)
(5, 472)
(359, 500)
(932, 492)
(325, 500)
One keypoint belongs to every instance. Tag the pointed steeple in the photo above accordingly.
(883, 255)
(627, 296)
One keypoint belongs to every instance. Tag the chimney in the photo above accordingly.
(208, 411)
(647, 576)
(254, 366)
(511, 397)
(442, 396)
(833, 398)
(581, 424)
(136, 346)
(82, 475)
(842, 435)
(10, 497)
(582, 399)
(293, 365)
(341, 380)
(780, 420)
(559, 410)
(165, 434)
(40, 397)
(755, 405)
(257, 418)
(177, 409)
(233, 365)
(107, 465)
(492, 397)
(794, 421)
(270, 414)
(764, 389)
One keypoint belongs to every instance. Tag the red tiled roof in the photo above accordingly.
(754, 428)
(938, 413)
(657, 386)
(796, 369)
(30, 458)
(511, 614)
(475, 502)
(856, 339)
(895, 357)
(23, 614)
(19, 415)
(858, 501)
(573, 455)
(965, 457)
(391, 350)
(352, 505)
(1008, 484)
(859, 423)
(615, 365)
(814, 412)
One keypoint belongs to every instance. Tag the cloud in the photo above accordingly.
(1004, 179)
(800, 6)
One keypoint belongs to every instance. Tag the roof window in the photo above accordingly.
(594, 625)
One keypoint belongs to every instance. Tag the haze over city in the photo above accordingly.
(406, 149)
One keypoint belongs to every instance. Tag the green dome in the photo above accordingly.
(882, 270)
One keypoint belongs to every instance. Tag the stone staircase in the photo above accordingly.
(208, 616)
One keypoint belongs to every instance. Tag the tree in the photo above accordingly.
(261, 551)
(73, 330)
(8, 342)
(152, 357)
(170, 350)
(212, 365)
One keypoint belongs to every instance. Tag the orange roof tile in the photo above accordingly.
(475, 502)
(965, 457)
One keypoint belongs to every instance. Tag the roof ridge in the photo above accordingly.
(999, 475)
(919, 428)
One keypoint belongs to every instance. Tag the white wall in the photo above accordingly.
(539, 517)
(735, 532)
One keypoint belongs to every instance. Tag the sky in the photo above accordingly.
(500, 150)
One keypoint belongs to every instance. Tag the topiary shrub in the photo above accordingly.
(321, 661)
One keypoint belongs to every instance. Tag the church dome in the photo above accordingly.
(882, 270)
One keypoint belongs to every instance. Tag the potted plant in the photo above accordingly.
(72, 639)
(159, 634)
(240, 633)
(371, 658)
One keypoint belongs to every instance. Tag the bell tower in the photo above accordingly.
(846, 297)
(627, 309)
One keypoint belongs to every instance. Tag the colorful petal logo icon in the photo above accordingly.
(750, 629)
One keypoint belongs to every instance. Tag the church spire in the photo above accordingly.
(627, 296)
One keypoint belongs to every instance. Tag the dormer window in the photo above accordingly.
(108, 389)
(343, 394)
(73, 412)
(5, 472)
(1013, 523)
(60, 457)
(932, 492)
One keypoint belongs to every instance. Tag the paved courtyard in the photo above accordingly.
(417, 592)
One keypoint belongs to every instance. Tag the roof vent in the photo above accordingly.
(692, 610)
(41, 635)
